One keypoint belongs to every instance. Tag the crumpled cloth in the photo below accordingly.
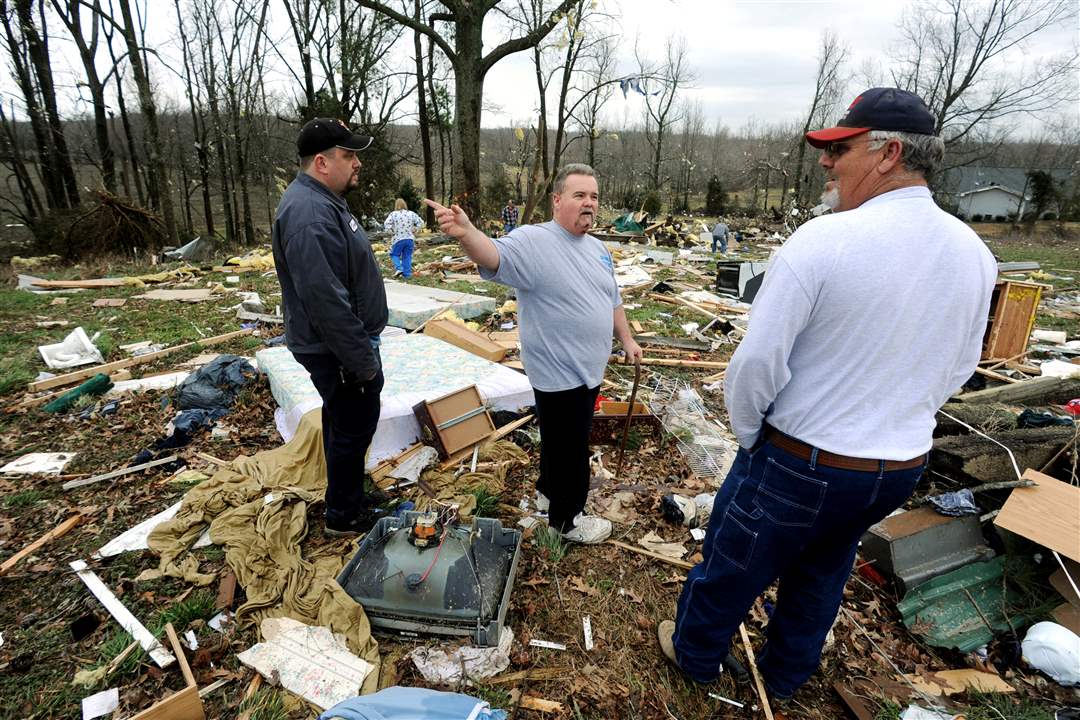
(256, 508)
(955, 504)
(409, 703)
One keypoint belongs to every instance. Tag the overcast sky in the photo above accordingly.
(753, 59)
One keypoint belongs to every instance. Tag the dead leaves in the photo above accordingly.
(576, 583)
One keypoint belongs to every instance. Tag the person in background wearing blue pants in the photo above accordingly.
(719, 237)
(832, 392)
(402, 225)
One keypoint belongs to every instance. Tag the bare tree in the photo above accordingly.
(829, 85)
(954, 55)
(424, 117)
(661, 111)
(70, 13)
(471, 65)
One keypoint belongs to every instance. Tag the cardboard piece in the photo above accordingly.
(1047, 513)
(954, 682)
(99, 704)
(460, 336)
(1068, 616)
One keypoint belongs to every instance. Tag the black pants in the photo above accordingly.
(350, 413)
(565, 418)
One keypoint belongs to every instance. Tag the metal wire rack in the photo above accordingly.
(698, 434)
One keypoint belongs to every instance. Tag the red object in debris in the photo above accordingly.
(600, 399)
(871, 574)
(1073, 407)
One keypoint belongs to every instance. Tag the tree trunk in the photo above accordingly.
(425, 127)
(55, 195)
(153, 136)
(468, 107)
(129, 137)
(198, 128)
(9, 147)
(974, 457)
(1034, 392)
(38, 50)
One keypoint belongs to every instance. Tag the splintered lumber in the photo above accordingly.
(985, 461)
(78, 375)
(540, 704)
(466, 339)
(996, 376)
(1037, 391)
(762, 696)
(72, 484)
(70, 284)
(183, 705)
(671, 362)
(655, 556)
(58, 531)
(499, 434)
(122, 615)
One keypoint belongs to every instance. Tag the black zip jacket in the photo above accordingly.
(331, 288)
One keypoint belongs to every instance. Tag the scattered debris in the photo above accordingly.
(76, 349)
(39, 463)
(463, 664)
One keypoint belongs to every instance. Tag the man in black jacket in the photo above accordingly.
(335, 309)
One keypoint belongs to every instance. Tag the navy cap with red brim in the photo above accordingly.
(879, 109)
(821, 138)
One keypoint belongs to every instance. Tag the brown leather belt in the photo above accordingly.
(842, 462)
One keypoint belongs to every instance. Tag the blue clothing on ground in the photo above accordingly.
(401, 255)
(409, 703)
(777, 515)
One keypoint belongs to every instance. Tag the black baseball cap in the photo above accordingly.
(879, 109)
(324, 133)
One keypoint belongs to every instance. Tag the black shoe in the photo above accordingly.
(374, 496)
(737, 669)
(361, 523)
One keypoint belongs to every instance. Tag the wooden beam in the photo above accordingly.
(655, 556)
(122, 615)
(78, 375)
(762, 696)
(58, 531)
(996, 376)
(671, 362)
(72, 484)
(189, 679)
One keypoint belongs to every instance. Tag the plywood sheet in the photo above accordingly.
(1047, 513)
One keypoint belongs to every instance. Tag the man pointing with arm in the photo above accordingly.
(569, 308)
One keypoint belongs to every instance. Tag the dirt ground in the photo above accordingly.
(52, 627)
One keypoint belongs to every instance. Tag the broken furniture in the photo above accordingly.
(454, 421)
(1012, 316)
(416, 367)
(917, 545)
(411, 306)
(608, 422)
(183, 705)
(415, 575)
(741, 279)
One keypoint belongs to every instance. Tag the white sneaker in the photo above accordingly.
(541, 502)
(589, 530)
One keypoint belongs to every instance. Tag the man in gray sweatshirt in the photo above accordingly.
(335, 308)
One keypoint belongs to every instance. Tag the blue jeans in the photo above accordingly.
(777, 516)
(722, 240)
(401, 255)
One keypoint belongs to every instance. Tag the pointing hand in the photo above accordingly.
(452, 220)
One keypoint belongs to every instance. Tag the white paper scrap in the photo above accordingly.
(698, 534)
(310, 661)
(135, 537)
(191, 640)
(219, 621)
(100, 704)
(38, 463)
(586, 625)
(547, 644)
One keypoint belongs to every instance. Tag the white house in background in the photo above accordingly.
(995, 201)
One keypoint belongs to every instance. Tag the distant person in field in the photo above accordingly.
(402, 225)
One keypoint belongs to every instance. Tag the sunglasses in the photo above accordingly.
(836, 149)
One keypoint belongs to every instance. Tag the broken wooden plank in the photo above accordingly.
(469, 340)
(671, 362)
(183, 705)
(226, 593)
(1037, 391)
(996, 376)
(70, 284)
(122, 615)
(58, 531)
(185, 669)
(78, 375)
(1047, 514)
(854, 704)
(72, 484)
(499, 434)
(530, 702)
(762, 696)
(655, 556)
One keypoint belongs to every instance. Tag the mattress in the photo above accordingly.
(416, 367)
(411, 305)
